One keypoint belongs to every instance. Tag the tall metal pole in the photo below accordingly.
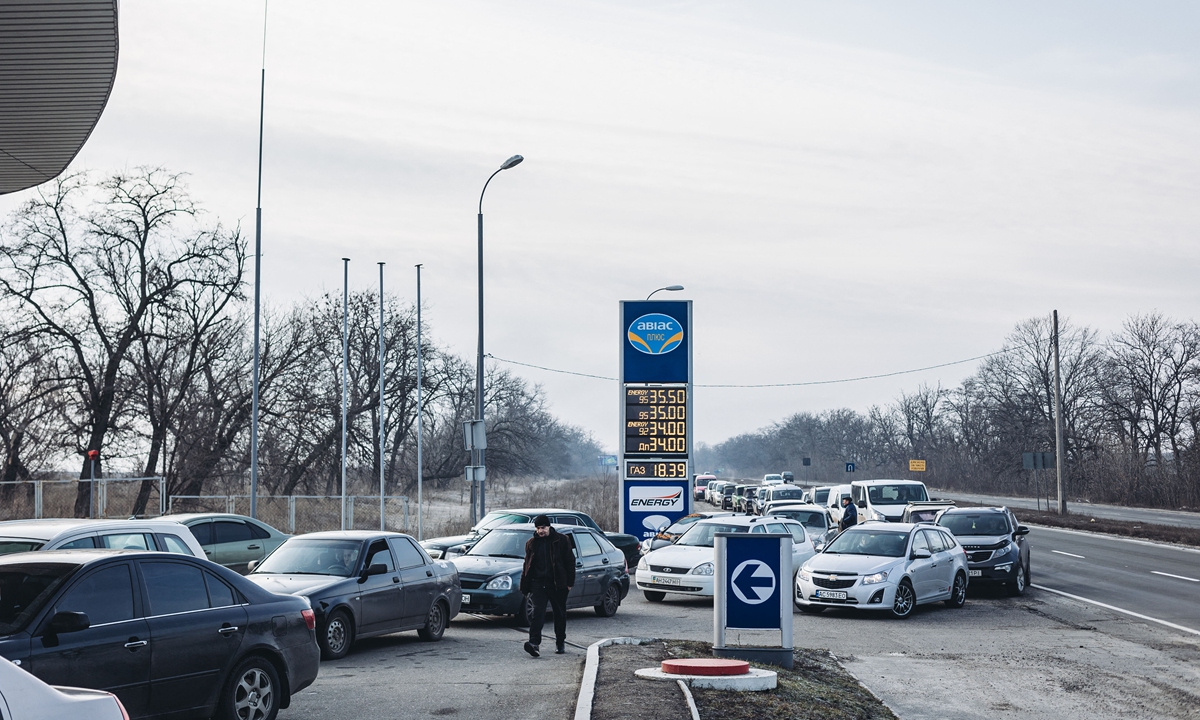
(382, 414)
(1059, 443)
(420, 412)
(479, 459)
(262, 98)
(345, 371)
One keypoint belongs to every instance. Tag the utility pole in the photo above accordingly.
(382, 412)
(345, 371)
(1059, 443)
(262, 104)
(420, 412)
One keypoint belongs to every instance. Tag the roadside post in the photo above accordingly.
(753, 592)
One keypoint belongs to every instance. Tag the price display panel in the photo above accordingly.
(656, 422)
(655, 469)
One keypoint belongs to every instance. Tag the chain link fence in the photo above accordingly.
(305, 513)
(112, 498)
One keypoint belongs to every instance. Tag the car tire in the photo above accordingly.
(1019, 582)
(609, 602)
(252, 691)
(524, 616)
(435, 623)
(337, 636)
(654, 595)
(905, 600)
(958, 592)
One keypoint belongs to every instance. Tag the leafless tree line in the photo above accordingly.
(124, 328)
(1131, 410)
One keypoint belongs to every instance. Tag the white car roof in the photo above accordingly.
(739, 520)
(48, 529)
(887, 482)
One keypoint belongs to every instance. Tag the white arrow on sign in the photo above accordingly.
(746, 572)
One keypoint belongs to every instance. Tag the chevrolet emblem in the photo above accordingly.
(833, 577)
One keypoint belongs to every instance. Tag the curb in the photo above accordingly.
(587, 686)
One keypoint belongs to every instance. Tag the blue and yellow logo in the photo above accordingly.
(655, 334)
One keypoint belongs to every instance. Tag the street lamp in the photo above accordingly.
(512, 162)
(669, 288)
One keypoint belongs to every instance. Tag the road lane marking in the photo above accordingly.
(1060, 552)
(1117, 609)
(1119, 538)
(1177, 577)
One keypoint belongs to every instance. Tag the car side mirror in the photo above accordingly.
(251, 565)
(68, 622)
(376, 569)
(1022, 530)
(921, 554)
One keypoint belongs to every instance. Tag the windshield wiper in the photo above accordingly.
(503, 555)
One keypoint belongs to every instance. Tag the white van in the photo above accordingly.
(885, 500)
(833, 503)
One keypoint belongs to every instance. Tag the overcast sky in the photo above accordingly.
(845, 188)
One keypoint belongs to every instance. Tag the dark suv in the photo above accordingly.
(996, 545)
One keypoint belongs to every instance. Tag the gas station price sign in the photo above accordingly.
(656, 469)
(656, 422)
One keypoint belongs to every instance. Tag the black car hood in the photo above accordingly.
(308, 585)
(484, 566)
(982, 542)
(442, 543)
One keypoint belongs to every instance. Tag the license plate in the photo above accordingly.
(831, 594)
(466, 599)
(658, 580)
(975, 573)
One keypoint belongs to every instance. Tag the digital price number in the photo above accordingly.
(656, 422)
(635, 469)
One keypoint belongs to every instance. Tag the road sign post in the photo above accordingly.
(753, 591)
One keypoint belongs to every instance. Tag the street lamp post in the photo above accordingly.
(512, 162)
(669, 288)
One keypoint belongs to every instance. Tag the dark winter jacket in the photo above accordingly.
(562, 561)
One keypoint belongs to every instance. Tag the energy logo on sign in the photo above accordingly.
(655, 334)
(643, 499)
(753, 582)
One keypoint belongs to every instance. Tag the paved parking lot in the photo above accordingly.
(1039, 656)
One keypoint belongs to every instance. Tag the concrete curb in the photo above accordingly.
(587, 686)
(753, 681)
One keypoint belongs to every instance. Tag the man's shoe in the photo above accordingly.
(531, 649)
(560, 647)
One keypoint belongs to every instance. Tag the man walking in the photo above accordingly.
(548, 576)
(849, 513)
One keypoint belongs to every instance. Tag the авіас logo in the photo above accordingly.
(655, 334)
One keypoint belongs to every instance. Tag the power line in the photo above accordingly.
(769, 385)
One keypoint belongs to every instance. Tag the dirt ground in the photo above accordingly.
(817, 687)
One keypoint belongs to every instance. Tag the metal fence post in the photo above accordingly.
(37, 499)
(405, 513)
(230, 504)
(291, 514)
(350, 513)
(162, 498)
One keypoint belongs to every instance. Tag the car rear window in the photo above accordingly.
(174, 587)
(7, 547)
(231, 531)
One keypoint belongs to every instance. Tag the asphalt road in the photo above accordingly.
(1179, 518)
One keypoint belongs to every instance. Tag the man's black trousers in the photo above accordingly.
(543, 592)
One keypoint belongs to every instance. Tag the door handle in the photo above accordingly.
(579, 564)
(254, 547)
(226, 630)
(134, 643)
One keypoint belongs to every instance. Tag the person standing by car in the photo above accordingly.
(849, 514)
(548, 575)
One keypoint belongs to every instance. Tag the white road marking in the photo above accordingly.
(1117, 609)
(1177, 577)
(1060, 552)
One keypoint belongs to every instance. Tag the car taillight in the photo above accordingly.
(310, 618)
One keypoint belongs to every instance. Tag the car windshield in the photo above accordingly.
(811, 519)
(896, 494)
(820, 496)
(787, 494)
(701, 534)
(24, 589)
(502, 543)
(313, 557)
(869, 542)
(773, 478)
(982, 524)
(7, 547)
(497, 519)
(682, 524)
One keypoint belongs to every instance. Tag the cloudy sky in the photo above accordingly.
(845, 189)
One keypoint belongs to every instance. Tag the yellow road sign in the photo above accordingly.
(916, 466)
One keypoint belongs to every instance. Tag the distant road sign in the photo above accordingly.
(916, 466)
(607, 460)
(849, 467)
(1038, 460)
(806, 462)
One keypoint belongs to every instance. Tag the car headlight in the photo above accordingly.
(875, 578)
(703, 569)
(997, 554)
(643, 565)
(804, 574)
(876, 515)
(504, 582)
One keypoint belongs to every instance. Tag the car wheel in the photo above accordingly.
(958, 592)
(338, 635)
(607, 607)
(905, 600)
(252, 691)
(1020, 579)
(435, 623)
(654, 595)
(524, 616)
